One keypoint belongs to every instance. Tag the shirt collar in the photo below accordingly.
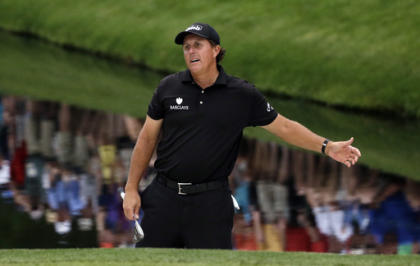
(221, 79)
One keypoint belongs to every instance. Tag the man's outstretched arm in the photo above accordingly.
(298, 135)
(142, 152)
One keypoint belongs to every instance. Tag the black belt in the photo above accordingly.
(189, 188)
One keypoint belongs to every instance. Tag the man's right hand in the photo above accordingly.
(131, 205)
(140, 158)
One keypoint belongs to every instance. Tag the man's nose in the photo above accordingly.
(190, 50)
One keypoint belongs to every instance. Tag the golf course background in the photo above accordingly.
(30, 67)
(357, 54)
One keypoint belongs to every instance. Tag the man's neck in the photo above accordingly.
(206, 79)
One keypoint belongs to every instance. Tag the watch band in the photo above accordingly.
(324, 145)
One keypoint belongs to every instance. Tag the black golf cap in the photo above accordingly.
(200, 29)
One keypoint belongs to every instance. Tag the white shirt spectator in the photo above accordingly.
(331, 223)
(4, 172)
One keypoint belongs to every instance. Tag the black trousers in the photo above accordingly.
(198, 221)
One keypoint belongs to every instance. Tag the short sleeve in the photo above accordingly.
(261, 113)
(156, 110)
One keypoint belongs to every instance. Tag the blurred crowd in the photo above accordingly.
(293, 200)
(66, 165)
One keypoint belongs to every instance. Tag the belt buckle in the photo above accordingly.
(180, 188)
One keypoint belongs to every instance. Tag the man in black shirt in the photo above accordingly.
(201, 113)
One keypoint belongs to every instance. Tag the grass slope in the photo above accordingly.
(36, 69)
(355, 53)
(191, 257)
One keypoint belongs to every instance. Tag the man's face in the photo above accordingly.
(199, 54)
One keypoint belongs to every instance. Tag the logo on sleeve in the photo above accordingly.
(269, 108)
(178, 105)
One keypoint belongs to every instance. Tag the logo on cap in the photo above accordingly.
(179, 100)
(194, 27)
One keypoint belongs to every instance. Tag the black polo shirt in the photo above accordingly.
(202, 129)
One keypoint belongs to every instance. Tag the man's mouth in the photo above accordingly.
(195, 60)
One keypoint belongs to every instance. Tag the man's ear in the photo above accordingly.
(216, 50)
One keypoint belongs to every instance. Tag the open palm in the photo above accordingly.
(343, 152)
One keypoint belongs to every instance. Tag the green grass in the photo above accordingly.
(29, 67)
(358, 53)
(191, 257)
(39, 70)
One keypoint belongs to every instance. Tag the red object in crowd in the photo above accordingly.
(106, 245)
(297, 239)
(245, 242)
(17, 165)
(321, 245)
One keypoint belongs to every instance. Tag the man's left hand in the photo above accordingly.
(343, 152)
